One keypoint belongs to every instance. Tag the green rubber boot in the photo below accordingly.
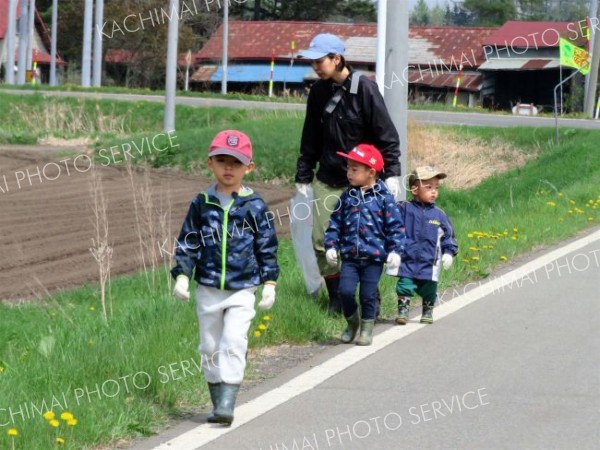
(366, 332)
(403, 306)
(224, 410)
(215, 396)
(352, 329)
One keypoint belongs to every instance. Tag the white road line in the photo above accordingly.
(205, 433)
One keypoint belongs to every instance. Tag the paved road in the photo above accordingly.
(518, 367)
(426, 117)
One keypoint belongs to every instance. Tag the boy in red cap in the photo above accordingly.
(228, 244)
(366, 229)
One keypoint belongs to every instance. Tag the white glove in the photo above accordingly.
(302, 188)
(393, 263)
(182, 288)
(393, 185)
(332, 257)
(268, 297)
(447, 260)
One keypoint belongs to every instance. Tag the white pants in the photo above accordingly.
(224, 318)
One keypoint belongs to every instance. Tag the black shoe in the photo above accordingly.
(403, 308)
(427, 316)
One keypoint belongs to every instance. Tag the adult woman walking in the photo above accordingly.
(343, 110)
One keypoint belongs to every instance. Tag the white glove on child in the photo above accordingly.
(182, 288)
(393, 185)
(302, 188)
(332, 257)
(447, 260)
(393, 263)
(268, 297)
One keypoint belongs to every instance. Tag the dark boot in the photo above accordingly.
(403, 307)
(378, 310)
(215, 396)
(350, 332)
(335, 304)
(224, 410)
(366, 332)
(427, 316)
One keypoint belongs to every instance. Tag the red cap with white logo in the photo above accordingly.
(365, 154)
(233, 143)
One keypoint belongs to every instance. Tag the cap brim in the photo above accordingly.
(311, 54)
(354, 158)
(225, 151)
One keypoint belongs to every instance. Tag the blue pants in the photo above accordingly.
(367, 273)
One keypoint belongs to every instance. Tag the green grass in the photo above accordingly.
(62, 346)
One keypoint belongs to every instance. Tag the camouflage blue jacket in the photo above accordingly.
(429, 234)
(232, 247)
(365, 224)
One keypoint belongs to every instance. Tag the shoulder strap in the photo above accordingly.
(339, 93)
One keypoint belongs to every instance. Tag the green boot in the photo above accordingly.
(366, 332)
(224, 410)
(352, 329)
(215, 397)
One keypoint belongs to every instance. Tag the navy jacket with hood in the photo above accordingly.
(429, 234)
(365, 224)
(232, 247)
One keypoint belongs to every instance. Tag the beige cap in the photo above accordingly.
(425, 173)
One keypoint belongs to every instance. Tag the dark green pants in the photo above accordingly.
(427, 289)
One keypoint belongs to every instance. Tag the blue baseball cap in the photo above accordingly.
(322, 45)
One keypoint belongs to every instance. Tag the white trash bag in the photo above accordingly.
(301, 225)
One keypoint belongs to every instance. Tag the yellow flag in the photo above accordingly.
(573, 56)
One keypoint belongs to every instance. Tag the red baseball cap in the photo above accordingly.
(233, 143)
(365, 154)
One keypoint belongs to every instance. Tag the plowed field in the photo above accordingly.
(46, 226)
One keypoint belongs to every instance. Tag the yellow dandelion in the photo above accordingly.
(514, 238)
(54, 423)
(505, 233)
(474, 249)
(475, 258)
(262, 326)
(570, 211)
(560, 194)
(474, 268)
(503, 258)
(515, 230)
(2, 369)
(266, 318)
(12, 432)
(48, 415)
(590, 218)
(470, 235)
(465, 260)
(66, 416)
(72, 422)
(256, 334)
(550, 203)
(60, 441)
(572, 202)
(91, 308)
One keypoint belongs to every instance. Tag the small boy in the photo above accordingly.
(429, 235)
(366, 229)
(229, 245)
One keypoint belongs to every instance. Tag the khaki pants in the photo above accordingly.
(324, 204)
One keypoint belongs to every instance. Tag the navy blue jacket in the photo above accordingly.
(365, 224)
(232, 247)
(429, 234)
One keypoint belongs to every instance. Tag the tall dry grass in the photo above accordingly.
(101, 250)
(152, 212)
(466, 161)
(68, 119)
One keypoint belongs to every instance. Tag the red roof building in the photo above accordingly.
(41, 37)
